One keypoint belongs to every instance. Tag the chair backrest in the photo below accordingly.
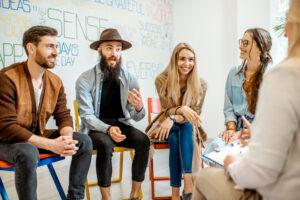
(77, 123)
(153, 107)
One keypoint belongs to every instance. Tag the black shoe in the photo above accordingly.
(187, 196)
(134, 198)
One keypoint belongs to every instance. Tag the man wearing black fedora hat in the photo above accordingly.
(108, 98)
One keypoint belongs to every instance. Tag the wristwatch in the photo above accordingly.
(173, 118)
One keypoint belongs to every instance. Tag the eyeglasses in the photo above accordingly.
(244, 42)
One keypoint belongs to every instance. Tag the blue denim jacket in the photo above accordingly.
(88, 96)
(236, 105)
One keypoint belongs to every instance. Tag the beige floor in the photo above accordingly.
(46, 189)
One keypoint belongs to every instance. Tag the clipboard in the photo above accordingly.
(217, 157)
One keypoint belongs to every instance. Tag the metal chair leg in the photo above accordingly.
(56, 181)
(117, 180)
(3, 191)
(87, 190)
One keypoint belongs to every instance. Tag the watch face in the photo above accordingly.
(172, 117)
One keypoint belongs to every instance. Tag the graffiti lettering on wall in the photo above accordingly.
(70, 24)
(14, 25)
(160, 10)
(127, 5)
(143, 69)
(68, 52)
(17, 5)
(147, 24)
(10, 53)
(155, 35)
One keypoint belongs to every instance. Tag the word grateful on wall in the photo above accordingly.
(147, 24)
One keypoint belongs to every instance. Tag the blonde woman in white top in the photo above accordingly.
(270, 169)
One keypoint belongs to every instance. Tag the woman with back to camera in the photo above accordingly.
(181, 92)
(243, 83)
(270, 167)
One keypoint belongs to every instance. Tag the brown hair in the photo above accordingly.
(264, 43)
(34, 34)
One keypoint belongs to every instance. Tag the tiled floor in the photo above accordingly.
(46, 189)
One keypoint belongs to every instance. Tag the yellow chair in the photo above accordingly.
(116, 149)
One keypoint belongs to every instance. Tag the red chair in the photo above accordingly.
(155, 107)
(45, 159)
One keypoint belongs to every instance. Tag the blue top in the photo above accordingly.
(236, 105)
(88, 95)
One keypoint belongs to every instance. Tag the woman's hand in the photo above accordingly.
(246, 133)
(230, 135)
(164, 129)
(190, 115)
(228, 160)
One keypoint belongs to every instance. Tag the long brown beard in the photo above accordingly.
(40, 60)
(110, 73)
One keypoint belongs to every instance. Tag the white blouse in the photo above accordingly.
(272, 163)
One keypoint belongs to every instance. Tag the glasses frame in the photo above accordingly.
(244, 42)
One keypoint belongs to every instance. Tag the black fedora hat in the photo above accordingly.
(110, 34)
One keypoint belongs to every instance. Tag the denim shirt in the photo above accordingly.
(88, 96)
(236, 105)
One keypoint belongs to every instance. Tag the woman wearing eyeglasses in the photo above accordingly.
(243, 83)
(270, 167)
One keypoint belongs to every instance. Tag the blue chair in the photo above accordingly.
(45, 159)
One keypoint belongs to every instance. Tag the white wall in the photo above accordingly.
(213, 29)
(154, 27)
(147, 24)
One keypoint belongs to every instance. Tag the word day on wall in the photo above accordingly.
(147, 24)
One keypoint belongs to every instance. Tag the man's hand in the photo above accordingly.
(164, 129)
(190, 115)
(63, 145)
(66, 131)
(116, 134)
(135, 99)
(228, 160)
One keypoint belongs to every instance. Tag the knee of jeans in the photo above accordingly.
(173, 139)
(85, 143)
(143, 142)
(106, 146)
(187, 125)
(27, 155)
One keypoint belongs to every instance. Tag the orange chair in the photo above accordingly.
(45, 159)
(121, 150)
(155, 107)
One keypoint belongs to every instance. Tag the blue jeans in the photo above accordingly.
(25, 157)
(181, 151)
